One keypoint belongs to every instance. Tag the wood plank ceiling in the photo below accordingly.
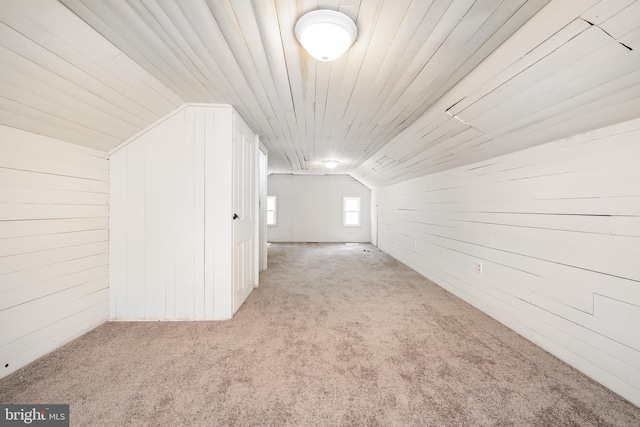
(428, 85)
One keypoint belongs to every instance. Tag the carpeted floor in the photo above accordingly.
(335, 335)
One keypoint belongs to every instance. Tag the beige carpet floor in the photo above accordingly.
(335, 335)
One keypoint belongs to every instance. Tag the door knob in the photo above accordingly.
(235, 216)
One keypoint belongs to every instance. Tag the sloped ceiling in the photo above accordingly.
(428, 85)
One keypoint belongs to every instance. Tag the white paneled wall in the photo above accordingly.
(53, 244)
(557, 231)
(310, 208)
(171, 219)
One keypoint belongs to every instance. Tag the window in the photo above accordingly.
(272, 218)
(351, 211)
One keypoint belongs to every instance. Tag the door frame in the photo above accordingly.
(245, 216)
(263, 162)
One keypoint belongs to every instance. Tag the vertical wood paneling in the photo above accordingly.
(53, 244)
(134, 295)
(149, 221)
(217, 209)
(219, 212)
(556, 229)
(118, 234)
(196, 126)
(176, 219)
(184, 215)
(310, 208)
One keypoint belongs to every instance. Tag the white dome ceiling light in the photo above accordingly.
(330, 164)
(326, 34)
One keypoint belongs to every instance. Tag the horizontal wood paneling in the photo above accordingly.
(310, 208)
(407, 54)
(559, 255)
(43, 340)
(576, 78)
(53, 244)
(47, 181)
(56, 283)
(21, 321)
(427, 86)
(63, 79)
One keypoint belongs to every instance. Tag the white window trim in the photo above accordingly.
(275, 211)
(344, 211)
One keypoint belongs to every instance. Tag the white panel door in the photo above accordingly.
(244, 199)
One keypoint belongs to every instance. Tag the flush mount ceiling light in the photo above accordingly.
(326, 34)
(330, 164)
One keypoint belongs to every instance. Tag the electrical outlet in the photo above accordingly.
(478, 267)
